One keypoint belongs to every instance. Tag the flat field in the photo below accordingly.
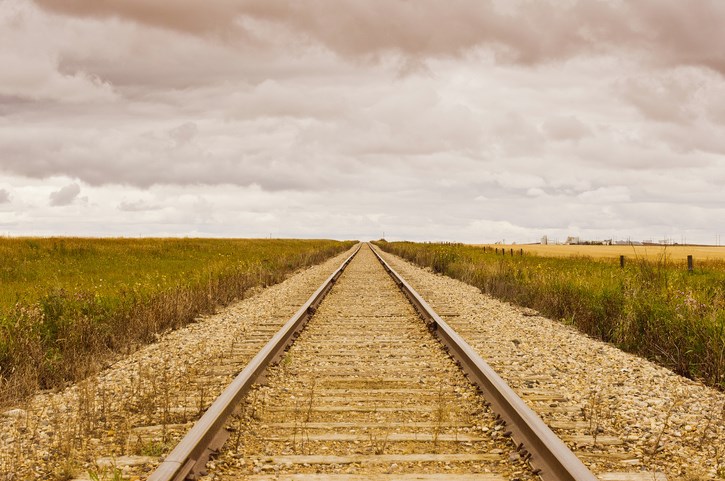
(653, 306)
(673, 253)
(66, 304)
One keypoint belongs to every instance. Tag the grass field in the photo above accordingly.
(655, 308)
(67, 303)
(674, 253)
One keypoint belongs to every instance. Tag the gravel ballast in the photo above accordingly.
(125, 418)
(130, 415)
(367, 391)
(668, 423)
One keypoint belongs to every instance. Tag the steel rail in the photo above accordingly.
(551, 459)
(189, 457)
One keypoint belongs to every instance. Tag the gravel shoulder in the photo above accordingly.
(367, 391)
(669, 424)
(130, 415)
(124, 419)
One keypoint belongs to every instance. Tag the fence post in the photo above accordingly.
(689, 263)
(621, 262)
(521, 252)
(512, 252)
(496, 250)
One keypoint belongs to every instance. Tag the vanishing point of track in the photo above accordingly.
(366, 392)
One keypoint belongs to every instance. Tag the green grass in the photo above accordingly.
(66, 303)
(656, 309)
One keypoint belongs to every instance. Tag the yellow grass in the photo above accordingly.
(604, 252)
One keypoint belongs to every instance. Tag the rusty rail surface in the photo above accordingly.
(189, 457)
(545, 452)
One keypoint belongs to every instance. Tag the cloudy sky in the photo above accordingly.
(468, 120)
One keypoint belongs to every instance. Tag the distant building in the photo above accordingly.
(544, 241)
(571, 240)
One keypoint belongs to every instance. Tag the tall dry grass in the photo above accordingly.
(68, 305)
(654, 308)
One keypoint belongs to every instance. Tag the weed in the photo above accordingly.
(300, 432)
(379, 442)
(714, 422)
(310, 399)
(654, 308)
(378, 437)
(656, 446)
(286, 360)
(104, 474)
(441, 415)
(67, 305)
(302, 417)
(152, 448)
(593, 413)
(65, 470)
(239, 428)
(201, 403)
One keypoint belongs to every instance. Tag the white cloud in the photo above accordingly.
(31, 62)
(565, 128)
(65, 195)
(137, 206)
(251, 118)
(184, 133)
(606, 195)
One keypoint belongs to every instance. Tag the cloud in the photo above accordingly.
(565, 128)
(137, 206)
(522, 31)
(4, 196)
(515, 134)
(182, 15)
(681, 33)
(665, 98)
(475, 120)
(517, 180)
(184, 132)
(31, 66)
(606, 195)
(65, 196)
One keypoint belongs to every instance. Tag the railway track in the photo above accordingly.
(580, 412)
(366, 392)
